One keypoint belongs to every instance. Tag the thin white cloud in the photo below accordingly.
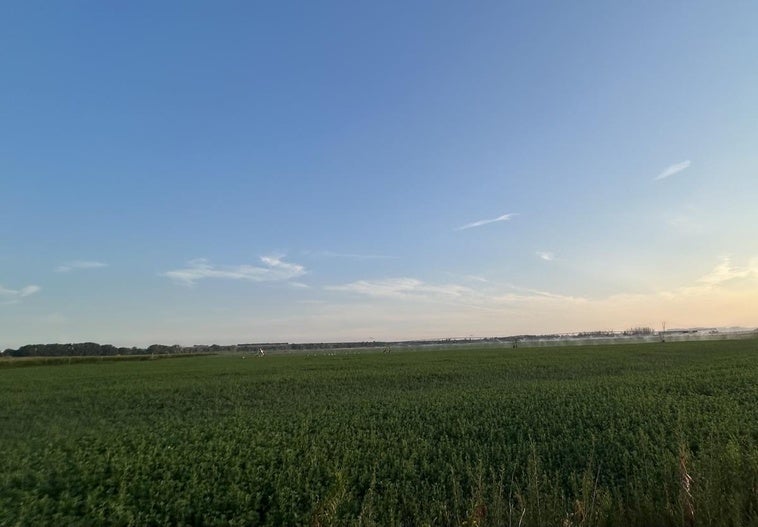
(350, 256)
(491, 295)
(29, 290)
(719, 297)
(726, 272)
(673, 169)
(488, 295)
(504, 217)
(12, 296)
(475, 278)
(546, 255)
(273, 270)
(401, 288)
(79, 264)
(529, 294)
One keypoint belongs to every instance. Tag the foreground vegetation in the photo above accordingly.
(655, 434)
(26, 362)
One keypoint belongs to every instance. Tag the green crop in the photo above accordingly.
(653, 434)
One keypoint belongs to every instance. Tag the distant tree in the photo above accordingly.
(160, 349)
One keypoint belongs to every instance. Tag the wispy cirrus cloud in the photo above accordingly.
(546, 255)
(479, 223)
(274, 269)
(721, 296)
(350, 256)
(401, 288)
(484, 294)
(673, 169)
(725, 272)
(79, 264)
(12, 296)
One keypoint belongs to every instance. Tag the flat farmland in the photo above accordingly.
(649, 434)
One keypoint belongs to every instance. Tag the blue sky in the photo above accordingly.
(198, 172)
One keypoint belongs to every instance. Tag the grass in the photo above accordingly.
(551, 436)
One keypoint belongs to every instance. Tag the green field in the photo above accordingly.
(604, 435)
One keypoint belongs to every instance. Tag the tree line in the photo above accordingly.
(91, 349)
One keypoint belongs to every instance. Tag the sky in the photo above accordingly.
(230, 172)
